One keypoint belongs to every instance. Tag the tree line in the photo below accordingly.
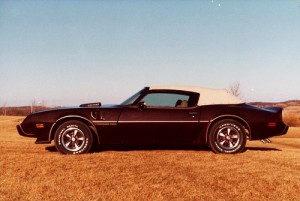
(21, 111)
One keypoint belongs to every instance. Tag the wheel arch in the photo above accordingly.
(64, 119)
(231, 117)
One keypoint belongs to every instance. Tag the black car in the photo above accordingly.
(169, 115)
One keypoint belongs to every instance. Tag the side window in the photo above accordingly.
(166, 100)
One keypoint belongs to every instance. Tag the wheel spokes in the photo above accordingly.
(68, 143)
(222, 142)
(228, 137)
(234, 136)
(73, 139)
(76, 146)
(68, 136)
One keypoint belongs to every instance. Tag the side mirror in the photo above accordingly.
(142, 105)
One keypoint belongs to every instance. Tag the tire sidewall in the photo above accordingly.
(78, 125)
(214, 132)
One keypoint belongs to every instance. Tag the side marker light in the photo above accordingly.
(39, 125)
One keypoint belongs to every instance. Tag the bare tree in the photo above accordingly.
(43, 103)
(235, 89)
(33, 104)
(4, 109)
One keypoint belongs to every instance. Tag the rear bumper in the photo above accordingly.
(262, 132)
(285, 130)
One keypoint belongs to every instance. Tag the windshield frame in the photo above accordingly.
(132, 99)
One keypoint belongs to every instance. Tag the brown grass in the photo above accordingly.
(262, 172)
(292, 115)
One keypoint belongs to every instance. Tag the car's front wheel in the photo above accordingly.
(73, 137)
(227, 136)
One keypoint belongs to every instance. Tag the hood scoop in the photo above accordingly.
(91, 105)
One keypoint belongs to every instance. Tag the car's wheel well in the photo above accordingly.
(229, 117)
(83, 120)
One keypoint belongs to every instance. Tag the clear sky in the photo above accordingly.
(65, 53)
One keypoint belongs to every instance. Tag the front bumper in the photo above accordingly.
(23, 133)
(41, 139)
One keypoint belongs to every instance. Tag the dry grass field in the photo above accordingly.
(38, 172)
(292, 115)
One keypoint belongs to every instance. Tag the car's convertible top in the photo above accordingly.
(208, 96)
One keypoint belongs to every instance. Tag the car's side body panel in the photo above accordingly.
(106, 123)
(132, 124)
(118, 125)
(158, 125)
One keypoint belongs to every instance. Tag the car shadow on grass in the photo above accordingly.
(159, 147)
(137, 148)
(51, 148)
(261, 149)
(149, 147)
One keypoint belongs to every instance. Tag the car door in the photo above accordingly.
(160, 118)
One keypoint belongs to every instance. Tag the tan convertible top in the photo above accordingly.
(207, 96)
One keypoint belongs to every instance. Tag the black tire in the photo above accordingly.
(73, 137)
(227, 136)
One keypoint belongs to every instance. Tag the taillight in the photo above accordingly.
(272, 124)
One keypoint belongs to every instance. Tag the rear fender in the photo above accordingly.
(233, 117)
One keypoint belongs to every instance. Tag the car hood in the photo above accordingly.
(77, 108)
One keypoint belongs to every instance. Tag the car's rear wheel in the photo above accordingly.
(227, 136)
(73, 137)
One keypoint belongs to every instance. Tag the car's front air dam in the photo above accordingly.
(23, 133)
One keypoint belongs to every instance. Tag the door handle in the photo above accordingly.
(193, 113)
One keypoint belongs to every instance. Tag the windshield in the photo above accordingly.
(131, 99)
